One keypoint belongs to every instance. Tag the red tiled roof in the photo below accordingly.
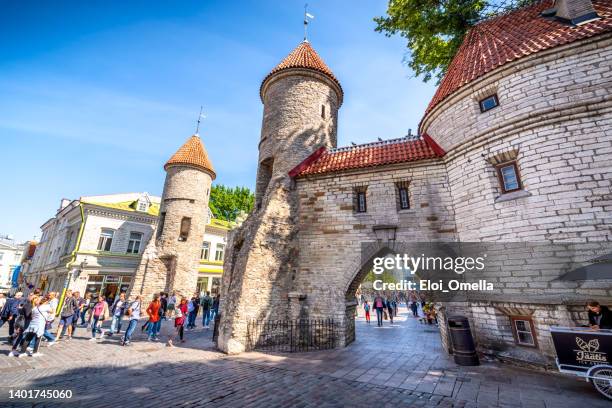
(368, 155)
(493, 43)
(303, 56)
(192, 153)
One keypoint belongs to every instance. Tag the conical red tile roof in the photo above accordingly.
(304, 56)
(194, 154)
(509, 37)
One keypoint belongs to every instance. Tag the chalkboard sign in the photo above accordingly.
(582, 347)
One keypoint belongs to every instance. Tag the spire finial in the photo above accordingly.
(200, 117)
(307, 16)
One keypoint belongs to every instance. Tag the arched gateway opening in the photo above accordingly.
(355, 293)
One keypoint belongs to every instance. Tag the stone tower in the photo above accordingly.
(169, 262)
(301, 98)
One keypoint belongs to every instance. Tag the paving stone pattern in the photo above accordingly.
(397, 366)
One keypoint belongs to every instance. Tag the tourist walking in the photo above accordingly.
(10, 312)
(22, 321)
(171, 305)
(390, 310)
(99, 313)
(206, 303)
(41, 311)
(85, 308)
(117, 311)
(215, 307)
(163, 300)
(78, 302)
(366, 308)
(154, 318)
(379, 305)
(191, 316)
(133, 311)
(66, 314)
(179, 321)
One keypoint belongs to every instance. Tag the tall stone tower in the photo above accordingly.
(301, 98)
(169, 262)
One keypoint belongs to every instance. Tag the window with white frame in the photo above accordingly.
(134, 243)
(523, 330)
(106, 240)
(219, 253)
(205, 251)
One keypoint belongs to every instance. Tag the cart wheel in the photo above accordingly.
(603, 382)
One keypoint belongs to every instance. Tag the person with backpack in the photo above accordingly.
(179, 320)
(99, 313)
(366, 308)
(163, 300)
(154, 318)
(41, 312)
(78, 302)
(22, 321)
(10, 312)
(133, 312)
(390, 309)
(66, 316)
(117, 310)
(206, 303)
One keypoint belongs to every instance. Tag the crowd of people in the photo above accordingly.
(31, 318)
(386, 305)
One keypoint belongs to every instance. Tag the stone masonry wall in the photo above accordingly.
(261, 254)
(555, 113)
(331, 232)
(168, 263)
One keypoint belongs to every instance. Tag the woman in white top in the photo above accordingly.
(41, 313)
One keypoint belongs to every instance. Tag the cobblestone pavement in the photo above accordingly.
(395, 366)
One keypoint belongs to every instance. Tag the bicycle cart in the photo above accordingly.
(585, 353)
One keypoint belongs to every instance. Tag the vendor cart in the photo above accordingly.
(586, 353)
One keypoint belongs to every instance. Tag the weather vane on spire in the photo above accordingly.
(200, 117)
(307, 16)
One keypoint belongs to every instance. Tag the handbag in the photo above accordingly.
(20, 322)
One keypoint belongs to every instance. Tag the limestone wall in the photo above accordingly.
(168, 263)
(294, 124)
(331, 232)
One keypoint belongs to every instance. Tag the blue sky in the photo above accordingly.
(95, 96)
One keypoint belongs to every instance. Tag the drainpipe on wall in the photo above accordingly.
(73, 256)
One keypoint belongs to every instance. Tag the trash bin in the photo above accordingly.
(464, 349)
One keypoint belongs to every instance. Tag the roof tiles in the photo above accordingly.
(304, 56)
(368, 155)
(498, 41)
(192, 153)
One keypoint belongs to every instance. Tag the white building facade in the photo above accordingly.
(94, 245)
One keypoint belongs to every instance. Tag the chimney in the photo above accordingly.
(576, 12)
(64, 203)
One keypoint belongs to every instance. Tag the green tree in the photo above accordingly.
(227, 202)
(435, 29)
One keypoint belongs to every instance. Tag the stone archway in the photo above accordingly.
(365, 264)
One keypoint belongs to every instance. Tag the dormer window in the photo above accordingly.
(142, 206)
(488, 103)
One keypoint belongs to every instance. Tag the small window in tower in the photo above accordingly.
(509, 178)
(323, 111)
(160, 226)
(185, 227)
(489, 103)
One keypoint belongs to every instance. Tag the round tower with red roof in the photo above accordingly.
(301, 98)
(170, 258)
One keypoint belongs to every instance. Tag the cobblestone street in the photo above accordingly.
(399, 365)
